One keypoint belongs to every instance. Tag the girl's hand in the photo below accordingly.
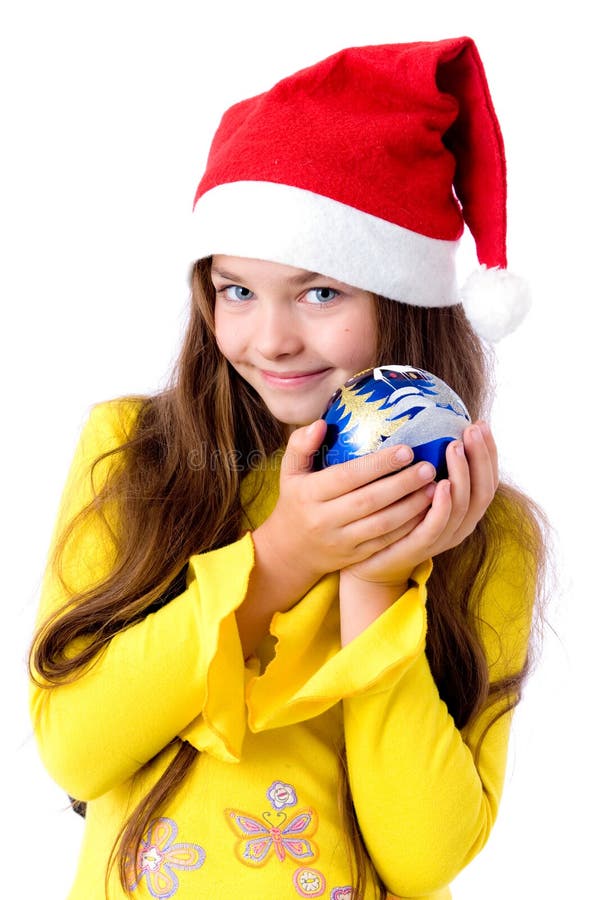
(458, 504)
(329, 520)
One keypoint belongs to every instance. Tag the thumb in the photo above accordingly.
(301, 447)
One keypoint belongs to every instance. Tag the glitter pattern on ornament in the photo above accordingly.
(392, 405)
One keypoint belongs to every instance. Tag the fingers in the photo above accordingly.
(301, 447)
(393, 522)
(416, 539)
(459, 476)
(473, 479)
(344, 478)
(492, 450)
(376, 548)
(460, 501)
(436, 516)
(482, 456)
(430, 531)
(382, 496)
(351, 512)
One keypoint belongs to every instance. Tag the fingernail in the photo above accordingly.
(425, 470)
(459, 448)
(403, 455)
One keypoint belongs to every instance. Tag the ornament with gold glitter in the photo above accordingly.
(392, 405)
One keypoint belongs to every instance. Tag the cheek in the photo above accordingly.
(361, 341)
(353, 348)
(227, 337)
(366, 355)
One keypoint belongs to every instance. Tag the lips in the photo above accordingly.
(291, 379)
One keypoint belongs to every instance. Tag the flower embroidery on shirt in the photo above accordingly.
(309, 882)
(341, 893)
(273, 834)
(158, 856)
(281, 794)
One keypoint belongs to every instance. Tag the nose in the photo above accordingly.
(277, 331)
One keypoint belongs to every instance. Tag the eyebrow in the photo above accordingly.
(295, 280)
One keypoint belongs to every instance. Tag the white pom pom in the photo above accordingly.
(495, 301)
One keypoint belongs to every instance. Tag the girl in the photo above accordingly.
(265, 681)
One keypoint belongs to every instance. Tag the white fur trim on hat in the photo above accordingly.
(495, 301)
(289, 225)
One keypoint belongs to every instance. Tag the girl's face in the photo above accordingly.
(295, 336)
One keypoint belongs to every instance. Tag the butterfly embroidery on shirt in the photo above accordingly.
(273, 834)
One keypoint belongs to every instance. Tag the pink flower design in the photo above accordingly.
(341, 893)
(281, 794)
(158, 856)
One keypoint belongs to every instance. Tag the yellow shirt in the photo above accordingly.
(258, 815)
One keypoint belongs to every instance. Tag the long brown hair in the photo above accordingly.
(173, 509)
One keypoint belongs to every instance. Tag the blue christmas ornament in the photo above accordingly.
(393, 405)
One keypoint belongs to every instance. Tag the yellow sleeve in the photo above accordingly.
(158, 679)
(425, 801)
(310, 672)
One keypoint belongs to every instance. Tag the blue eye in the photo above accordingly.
(321, 295)
(237, 292)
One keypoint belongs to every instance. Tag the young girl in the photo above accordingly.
(265, 681)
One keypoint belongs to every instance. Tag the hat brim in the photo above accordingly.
(295, 227)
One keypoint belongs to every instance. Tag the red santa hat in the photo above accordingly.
(365, 167)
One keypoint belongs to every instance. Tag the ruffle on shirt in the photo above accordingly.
(310, 671)
(221, 580)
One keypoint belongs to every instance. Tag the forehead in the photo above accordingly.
(244, 268)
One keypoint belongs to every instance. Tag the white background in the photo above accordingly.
(107, 112)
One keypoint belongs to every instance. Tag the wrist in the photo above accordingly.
(381, 592)
(362, 602)
(274, 585)
(276, 554)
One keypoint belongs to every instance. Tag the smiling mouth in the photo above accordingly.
(291, 379)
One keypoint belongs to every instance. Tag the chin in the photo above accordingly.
(295, 418)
